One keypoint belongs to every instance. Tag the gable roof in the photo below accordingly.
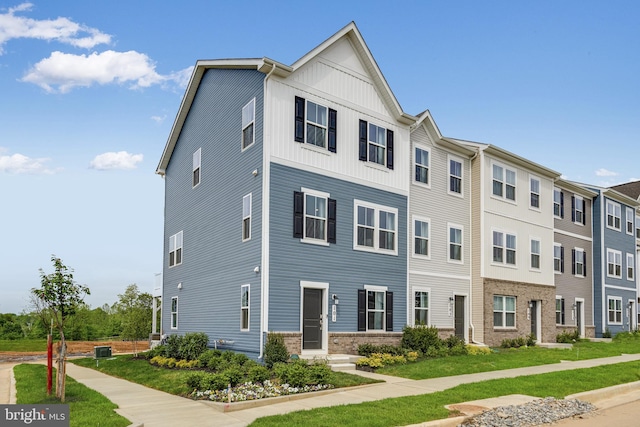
(631, 189)
(426, 120)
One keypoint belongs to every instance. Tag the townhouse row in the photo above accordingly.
(303, 200)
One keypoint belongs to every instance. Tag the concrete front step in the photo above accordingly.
(337, 362)
(342, 366)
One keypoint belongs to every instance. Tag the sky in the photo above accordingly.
(89, 92)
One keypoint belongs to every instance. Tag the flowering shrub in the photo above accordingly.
(474, 350)
(378, 360)
(253, 391)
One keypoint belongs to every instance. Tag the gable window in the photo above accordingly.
(375, 144)
(421, 237)
(558, 203)
(630, 265)
(197, 161)
(504, 311)
(248, 122)
(629, 215)
(174, 313)
(376, 228)
(534, 184)
(422, 165)
(504, 182)
(315, 124)
(613, 215)
(175, 249)
(559, 311)
(246, 217)
(314, 216)
(579, 262)
(558, 258)
(455, 176)
(577, 210)
(615, 310)
(614, 263)
(244, 308)
(420, 307)
(375, 309)
(504, 248)
(535, 254)
(455, 243)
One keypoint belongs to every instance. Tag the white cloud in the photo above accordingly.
(159, 119)
(60, 29)
(19, 164)
(604, 172)
(119, 160)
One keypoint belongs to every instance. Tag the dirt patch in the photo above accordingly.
(75, 348)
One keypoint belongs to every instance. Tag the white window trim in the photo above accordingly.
(415, 289)
(629, 219)
(579, 251)
(504, 249)
(559, 298)
(631, 263)
(459, 160)
(557, 245)
(609, 298)
(173, 327)
(370, 142)
(559, 216)
(578, 201)
(376, 228)
(175, 249)
(614, 205)
(252, 122)
(637, 227)
(415, 164)
(457, 227)
(244, 216)
(413, 234)
(320, 194)
(248, 307)
(197, 165)
(324, 147)
(531, 240)
(504, 312)
(539, 193)
(614, 253)
(504, 183)
(374, 288)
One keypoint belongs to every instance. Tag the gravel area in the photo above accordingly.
(543, 411)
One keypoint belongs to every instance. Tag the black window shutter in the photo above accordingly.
(561, 259)
(362, 310)
(561, 204)
(333, 130)
(363, 141)
(389, 149)
(573, 261)
(573, 209)
(298, 214)
(584, 212)
(562, 310)
(584, 263)
(389, 311)
(299, 120)
(331, 221)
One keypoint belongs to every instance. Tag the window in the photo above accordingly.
(244, 308)
(248, 120)
(421, 237)
(504, 248)
(175, 249)
(504, 182)
(558, 258)
(559, 311)
(174, 313)
(455, 243)
(314, 216)
(422, 165)
(376, 228)
(375, 309)
(577, 210)
(615, 310)
(534, 184)
(638, 228)
(375, 144)
(420, 307)
(318, 126)
(455, 176)
(197, 160)
(246, 217)
(579, 260)
(613, 215)
(630, 265)
(504, 311)
(558, 203)
(614, 263)
(535, 254)
(629, 215)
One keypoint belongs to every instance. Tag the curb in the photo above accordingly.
(599, 396)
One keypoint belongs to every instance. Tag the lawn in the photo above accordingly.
(23, 345)
(86, 406)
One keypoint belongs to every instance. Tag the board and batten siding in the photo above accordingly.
(215, 260)
(345, 270)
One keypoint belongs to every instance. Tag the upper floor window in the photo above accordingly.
(197, 161)
(534, 187)
(504, 248)
(559, 311)
(175, 249)
(248, 121)
(376, 228)
(578, 206)
(579, 262)
(630, 266)
(422, 165)
(638, 227)
(614, 310)
(455, 243)
(246, 217)
(504, 182)
(314, 217)
(558, 203)
(375, 144)
(629, 215)
(455, 176)
(174, 313)
(614, 263)
(535, 254)
(558, 258)
(613, 215)
(504, 311)
(244, 308)
(421, 237)
(315, 124)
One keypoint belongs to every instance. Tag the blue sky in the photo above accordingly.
(89, 91)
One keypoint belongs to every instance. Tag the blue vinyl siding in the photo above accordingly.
(215, 261)
(345, 269)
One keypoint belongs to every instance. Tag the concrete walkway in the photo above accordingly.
(152, 408)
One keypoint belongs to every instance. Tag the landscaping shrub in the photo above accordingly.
(194, 379)
(206, 356)
(378, 360)
(475, 350)
(274, 350)
(456, 346)
(568, 337)
(295, 373)
(421, 338)
(192, 345)
(213, 382)
(368, 349)
(172, 347)
(240, 359)
(234, 374)
(606, 333)
(258, 374)
(528, 341)
(319, 373)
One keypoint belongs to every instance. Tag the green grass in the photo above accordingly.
(428, 407)
(86, 406)
(23, 345)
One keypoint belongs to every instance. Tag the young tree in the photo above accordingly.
(60, 296)
(136, 309)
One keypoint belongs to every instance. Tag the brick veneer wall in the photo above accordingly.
(344, 342)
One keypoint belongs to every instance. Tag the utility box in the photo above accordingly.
(102, 351)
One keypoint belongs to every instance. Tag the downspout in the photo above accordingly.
(473, 328)
(264, 271)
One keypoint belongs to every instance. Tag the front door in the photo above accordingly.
(312, 319)
(534, 320)
(459, 320)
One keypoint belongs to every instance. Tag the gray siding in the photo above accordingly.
(345, 269)
(215, 260)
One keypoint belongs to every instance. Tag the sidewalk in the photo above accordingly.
(152, 408)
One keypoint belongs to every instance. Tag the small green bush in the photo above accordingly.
(240, 359)
(421, 338)
(258, 374)
(368, 349)
(214, 382)
(474, 350)
(194, 379)
(568, 337)
(319, 373)
(234, 374)
(192, 345)
(274, 350)
(172, 347)
(606, 333)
